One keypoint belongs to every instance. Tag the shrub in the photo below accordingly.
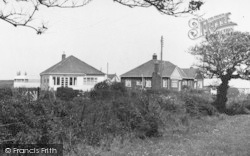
(27, 121)
(137, 115)
(198, 104)
(118, 89)
(5, 93)
(47, 95)
(232, 92)
(104, 90)
(185, 87)
(66, 93)
(104, 85)
(238, 106)
(171, 103)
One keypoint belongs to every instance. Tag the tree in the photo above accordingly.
(224, 56)
(168, 7)
(22, 12)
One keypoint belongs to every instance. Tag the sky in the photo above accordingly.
(106, 32)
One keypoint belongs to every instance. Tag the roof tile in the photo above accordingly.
(72, 65)
(146, 69)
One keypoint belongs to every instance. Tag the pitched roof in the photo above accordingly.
(111, 76)
(192, 73)
(146, 69)
(72, 65)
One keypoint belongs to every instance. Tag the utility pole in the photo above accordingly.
(161, 65)
(107, 69)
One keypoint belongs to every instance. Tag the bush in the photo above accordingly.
(104, 90)
(119, 89)
(111, 112)
(198, 104)
(5, 93)
(28, 121)
(137, 116)
(232, 92)
(66, 93)
(104, 85)
(238, 106)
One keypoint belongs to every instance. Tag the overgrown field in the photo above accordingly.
(209, 136)
(111, 120)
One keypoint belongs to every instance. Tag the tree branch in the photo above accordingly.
(16, 18)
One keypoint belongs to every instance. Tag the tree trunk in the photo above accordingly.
(221, 97)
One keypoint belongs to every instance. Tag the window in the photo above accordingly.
(184, 82)
(58, 80)
(75, 81)
(174, 83)
(62, 81)
(89, 80)
(54, 80)
(138, 82)
(128, 83)
(66, 81)
(70, 81)
(84, 80)
(148, 83)
(165, 83)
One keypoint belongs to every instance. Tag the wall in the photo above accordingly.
(134, 81)
(30, 84)
(179, 82)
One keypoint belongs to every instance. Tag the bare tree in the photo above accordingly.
(22, 12)
(168, 7)
(224, 56)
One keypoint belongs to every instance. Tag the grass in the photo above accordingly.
(209, 136)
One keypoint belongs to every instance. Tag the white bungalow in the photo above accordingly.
(71, 72)
(25, 81)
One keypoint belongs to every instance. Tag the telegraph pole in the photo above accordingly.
(107, 69)
(161, 65)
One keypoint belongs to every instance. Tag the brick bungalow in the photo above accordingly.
(148, 76)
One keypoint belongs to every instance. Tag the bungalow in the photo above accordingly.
(148, 75)
(113, 78)
(71, 72)
(25, 81)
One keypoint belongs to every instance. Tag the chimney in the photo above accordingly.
(154, 56)
(156, 77)
(156, 70)
(63, 56)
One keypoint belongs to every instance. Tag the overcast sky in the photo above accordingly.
(104, 31)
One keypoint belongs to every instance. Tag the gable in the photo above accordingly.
(176, 74)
